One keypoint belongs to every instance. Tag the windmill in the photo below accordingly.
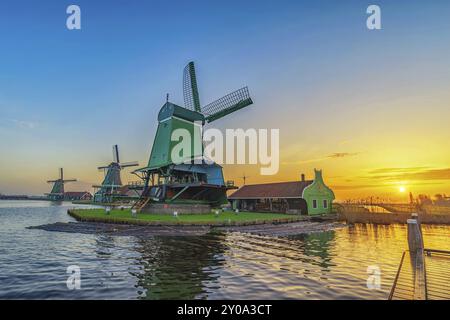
(112, 181)
(57, 193)
(169, 181)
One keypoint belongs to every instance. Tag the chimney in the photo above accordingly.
(303, 177)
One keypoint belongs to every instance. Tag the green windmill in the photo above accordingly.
(110, 187)
(57, 193)
(191, 185)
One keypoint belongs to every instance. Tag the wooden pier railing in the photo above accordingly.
(423, 273)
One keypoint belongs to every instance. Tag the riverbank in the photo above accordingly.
(122, 223)
(148, 231)
(391, 217)
(226, 218)
(147, 227)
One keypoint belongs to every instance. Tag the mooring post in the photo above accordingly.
(415, 216)
(415, 243)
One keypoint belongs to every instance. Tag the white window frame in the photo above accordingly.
(314, 204)
(325, 203)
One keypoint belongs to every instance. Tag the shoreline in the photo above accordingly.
(392, 218)
(74, 213)
(275, 227)
(148, 231)
(139, 228)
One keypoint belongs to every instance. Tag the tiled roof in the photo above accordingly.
(293, 189)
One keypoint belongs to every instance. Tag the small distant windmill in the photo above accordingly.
(168, 180)
(57, 193)
(112, 180)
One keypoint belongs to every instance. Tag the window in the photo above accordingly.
(315, 204)
(325, 204)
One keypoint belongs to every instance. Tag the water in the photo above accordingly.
(328, 265)
(376, 209)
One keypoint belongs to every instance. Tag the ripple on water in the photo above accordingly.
(326, 265)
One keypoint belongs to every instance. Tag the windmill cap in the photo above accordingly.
(169, 110)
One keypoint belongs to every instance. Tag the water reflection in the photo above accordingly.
(327, 265)
(318, 245)
(178, 268)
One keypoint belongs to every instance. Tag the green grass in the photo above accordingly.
(227, 217)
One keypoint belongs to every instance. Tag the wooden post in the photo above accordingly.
(415, 243)
(415, 216)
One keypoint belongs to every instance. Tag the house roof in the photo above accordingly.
(292, 189)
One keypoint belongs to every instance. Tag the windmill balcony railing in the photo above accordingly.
(230, 183)
(135, 183)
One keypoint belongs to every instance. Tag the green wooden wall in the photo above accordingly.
(317, 193)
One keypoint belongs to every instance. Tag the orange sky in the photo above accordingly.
(359, 158)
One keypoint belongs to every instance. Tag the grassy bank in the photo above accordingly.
(223, 218)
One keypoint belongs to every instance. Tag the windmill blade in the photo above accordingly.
(129, 164)
(228, 104)
(190, 89)
(116, 153)
(70, 180)
(61, 173)
(52, 181)
(103, 168)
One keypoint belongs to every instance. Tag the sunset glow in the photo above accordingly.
(369, 108)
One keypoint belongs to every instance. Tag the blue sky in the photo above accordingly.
(67, 96)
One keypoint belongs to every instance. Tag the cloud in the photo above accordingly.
(410, 173)
(342, 154)
(344, 142)
(397, 170)
(336, 155)
(354, 187)
(379, 185)
(302, 161)
(24, 124)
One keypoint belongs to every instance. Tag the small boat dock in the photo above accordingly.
(423, 274)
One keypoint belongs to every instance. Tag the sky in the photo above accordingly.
(368, 107)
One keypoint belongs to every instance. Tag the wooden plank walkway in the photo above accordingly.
(437, 276)
(437, 264)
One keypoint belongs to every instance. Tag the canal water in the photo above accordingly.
(327, 265)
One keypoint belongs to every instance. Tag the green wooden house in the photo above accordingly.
(318, 196)
(306, 197)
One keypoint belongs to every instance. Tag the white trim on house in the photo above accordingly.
(315, 205)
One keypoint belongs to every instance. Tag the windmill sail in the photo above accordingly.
(190, 89)
(129, 164)
(116, 153)
(230, 103)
